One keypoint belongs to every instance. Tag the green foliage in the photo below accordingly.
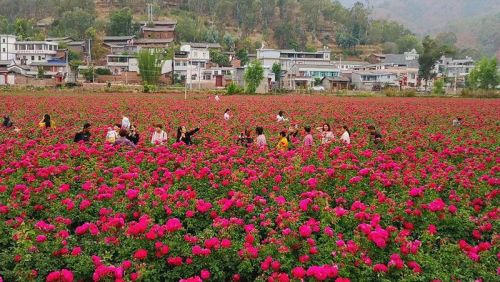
(89, 74)
(190, 29)
(102, 71)
(346, 40)
(390, 48)
(25, 30)
(254, 75)
(150, 62)
(41, 72)
(220, 59)
(242, 55)
(233, 88)
(73, 23)
(409, 42)
(381, 31)
(121, 23)
(431, 54)
(438, 88)
(277, 71)
(485, 75)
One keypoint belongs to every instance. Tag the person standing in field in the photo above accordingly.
(260, 141)
(281, 117)
(133, 135)
(346, 135)
(185, 136)
(327, 135)
(47, 122)
(125, 123)
(283, 142)
(159, 136)
(84, 135)
(457, 122)
(375, 136)
(7, 122)
(308, 139)
(226, 114)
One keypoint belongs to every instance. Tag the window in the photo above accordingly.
(3, 49)
(3, 40)
(39, 58)
(177, 64)
(207, 76)
(32, 58)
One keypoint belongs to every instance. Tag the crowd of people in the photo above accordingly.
(126, 134)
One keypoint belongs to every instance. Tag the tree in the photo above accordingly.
(439, 87)
(484, 75)
(121, 23)
(97, 40)
(150, 63)
(74, 23)
(242, 55)
(409, 42)
(220, 59)
(346, 40)
(431, 54)
(254, 74)
(358, 23)
(24, 29)
(277, 72)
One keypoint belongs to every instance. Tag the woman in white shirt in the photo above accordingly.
(327, 135)
(346, 136)
(281, 117)
(125, 123)
(226, 114)
(159, 136)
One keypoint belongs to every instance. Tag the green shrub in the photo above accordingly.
(234, 89)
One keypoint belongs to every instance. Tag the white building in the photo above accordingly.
(122, 63)
(304, 76)
(450, 67)
(190, 62)
(289, 58)
(28, 52)
(374, 80)
(7, 47)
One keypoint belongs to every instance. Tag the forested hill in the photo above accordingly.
(298, 24)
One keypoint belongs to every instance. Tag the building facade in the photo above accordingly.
(7, 47)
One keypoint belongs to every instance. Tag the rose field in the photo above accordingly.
(424, 207)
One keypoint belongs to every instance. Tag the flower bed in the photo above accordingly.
(424, 207)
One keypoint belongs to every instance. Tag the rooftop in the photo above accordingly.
(160, 23)
(158, 29)
(153, 41)
(202, 44)
(118, 38)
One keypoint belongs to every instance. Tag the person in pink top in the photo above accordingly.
(308, 139)
(260, 141)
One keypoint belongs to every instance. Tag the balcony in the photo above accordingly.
(36, 52)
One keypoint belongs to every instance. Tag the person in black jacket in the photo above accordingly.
(7, 122)
(185, 136)
(133, 135)
(83, 135)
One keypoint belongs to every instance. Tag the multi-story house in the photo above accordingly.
(158, 29)
(454, 68)
(7, 47)
(28, 52)
(289, 58)
(190, 62)
(374, 80)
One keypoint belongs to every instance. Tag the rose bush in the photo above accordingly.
(423, 208)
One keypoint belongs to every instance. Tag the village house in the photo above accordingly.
(374, 80)
(158, 29)
(289, 58)
(336, 83)
(305, 76)
(449, 67)
(190, 62)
